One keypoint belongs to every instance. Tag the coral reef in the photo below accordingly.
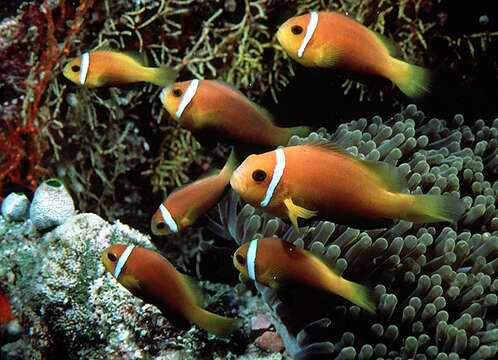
(52, 205)
(436, 283)
(70, 308)
(15, 207)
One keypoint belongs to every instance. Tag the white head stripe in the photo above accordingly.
(122, 260)
(278, 171)
(187, 97)
(85, 63)
(168, 218)
(251, 259)
(310, 30)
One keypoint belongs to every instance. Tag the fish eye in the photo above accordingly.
(240, 259)
(160, 225)
(296, 29)
(258, 175)
(75, 68)
(177, 92)
(111, 257)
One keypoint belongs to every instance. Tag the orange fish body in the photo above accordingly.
(276, 263)
(320, 179)
(151, 277)
(102, 68)
(338, 40)
(182, 208)
(209, 105)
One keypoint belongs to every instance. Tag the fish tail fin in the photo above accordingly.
(434, 208)
(412, 80)
(301, 131)
(163, 76)
(215, 324)
(360, 295)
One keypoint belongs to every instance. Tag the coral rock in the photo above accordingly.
(52, 205)
(15, 207)
(270, 341)
(260, 322)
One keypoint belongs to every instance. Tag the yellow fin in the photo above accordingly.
(195, 290)
(435, 208)
(361, 295)
(390, 175)
(294, 211)
(139, 57)
(213, 323)
(390, 46)
(329, 145)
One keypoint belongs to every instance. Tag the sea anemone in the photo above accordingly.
(436, 283)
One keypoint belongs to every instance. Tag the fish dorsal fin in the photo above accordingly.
(233, 162)
(390, 175)
(390, 46)
(195, 290)
(266, 114)
(139, 57)
(328, 145)
(208, 173)
(262, 110)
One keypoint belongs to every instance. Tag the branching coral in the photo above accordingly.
(22, 140)
(436, 284)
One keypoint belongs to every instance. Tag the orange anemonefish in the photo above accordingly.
(184, 206)
(320, 178)
(152, 278)
(105, 67)
(327, 39)
(210, 105)
(276, 263)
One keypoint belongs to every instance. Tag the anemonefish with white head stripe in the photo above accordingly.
(208, 105)
(320, 179)
(152, 278)
(276, 263)
(184, 206)
(106, 67)
(330, 39)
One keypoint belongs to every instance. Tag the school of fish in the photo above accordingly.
(312, 181)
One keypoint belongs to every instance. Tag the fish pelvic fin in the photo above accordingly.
(412, 80)
(294, 211)
(435, 208)
(215, 324)
(163, 76)
(389, 175)
(361, 295)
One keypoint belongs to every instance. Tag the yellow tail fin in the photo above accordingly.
(212, 323)
(435, 208)
(163, 76)
(413, 80)
(360, 295)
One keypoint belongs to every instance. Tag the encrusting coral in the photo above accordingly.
(72, 309)
(436, 283)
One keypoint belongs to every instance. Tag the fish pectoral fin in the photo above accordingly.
(294, 211)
